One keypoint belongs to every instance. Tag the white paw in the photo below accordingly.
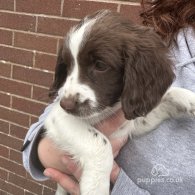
(180, 101)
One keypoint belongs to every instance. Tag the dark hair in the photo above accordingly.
(168, 16)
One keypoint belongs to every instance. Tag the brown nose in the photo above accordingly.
(68, 103)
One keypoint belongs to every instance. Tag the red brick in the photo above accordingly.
(51, 7)
(10, 188)
(12, 166)
(27, 106)
(50, 184)
(5, 69)
(4, 151)
(18, 56)
(14, 87)
(35, 42)
(4, 126)
(17, 21)
(28, 193)
(48, 191)
(16, 156)
(3, 192)
(25, 183)
(45, 61)
(41, 94)
(5, 99)
(33, 119)
(54, 26)
(18, 131)
(81, 8)
(14, 116)
(11, 142)
(7, 5)
(132, 12)
(5, 36)
(3, 174)
(32, 76)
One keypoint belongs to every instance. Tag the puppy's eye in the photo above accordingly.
(100, 66)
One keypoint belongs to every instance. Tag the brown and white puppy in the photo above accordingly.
(107, 63)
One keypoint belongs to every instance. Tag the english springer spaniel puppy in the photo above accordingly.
(108, 63)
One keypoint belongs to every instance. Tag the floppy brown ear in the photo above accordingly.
(147, 73)
(60, 74)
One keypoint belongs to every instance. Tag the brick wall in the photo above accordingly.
(30, 35)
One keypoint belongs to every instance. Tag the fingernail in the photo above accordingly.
(47, 173)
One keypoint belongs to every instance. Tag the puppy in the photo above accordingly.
(107, 63)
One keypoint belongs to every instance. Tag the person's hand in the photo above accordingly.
(66, 181)
(70, 183)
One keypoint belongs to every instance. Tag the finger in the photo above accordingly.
(115, 172)
(63, 179)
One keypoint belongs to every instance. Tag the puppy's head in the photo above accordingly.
(106, 59)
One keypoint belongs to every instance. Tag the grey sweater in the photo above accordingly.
(161, 162)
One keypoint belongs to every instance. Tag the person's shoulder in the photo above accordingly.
(183, 49)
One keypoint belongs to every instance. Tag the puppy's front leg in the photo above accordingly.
(94, 153)
(177, 102)
(87, 146)
(97, 164)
